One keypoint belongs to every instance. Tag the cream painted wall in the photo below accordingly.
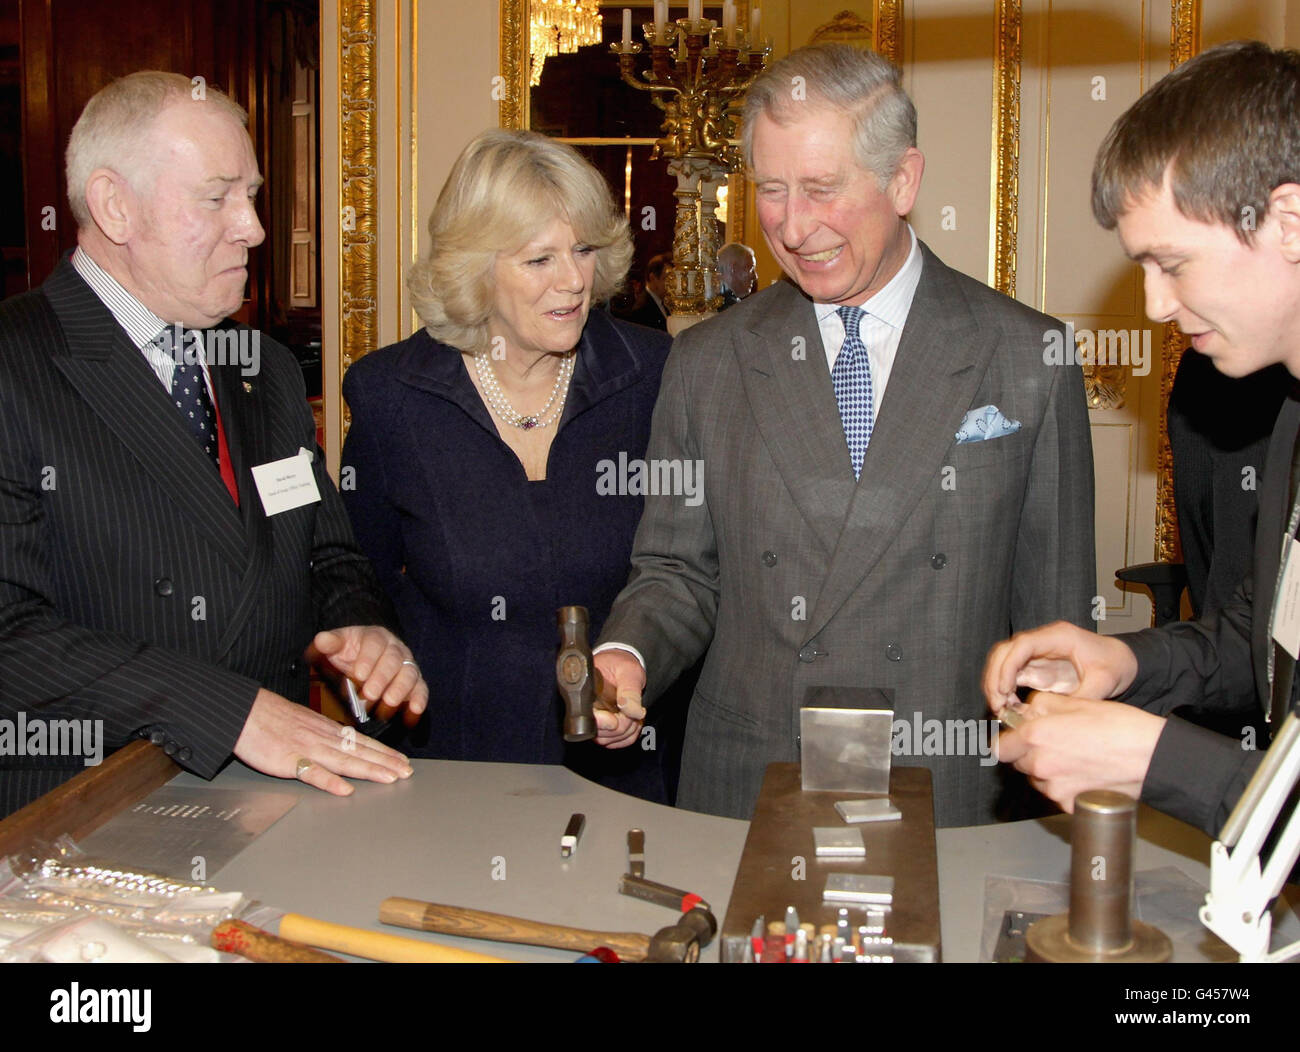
(456, 57)
(947, 64)
(1224, 20)
(1291, 24)
(1081, 70)
(434, 64)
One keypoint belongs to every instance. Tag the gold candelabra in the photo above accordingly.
(698, 76)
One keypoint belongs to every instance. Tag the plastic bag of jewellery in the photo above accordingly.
(63, 876)
(20, 919)
(94, 940)
(179, 910)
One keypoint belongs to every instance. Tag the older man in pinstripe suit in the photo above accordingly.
(148, 580)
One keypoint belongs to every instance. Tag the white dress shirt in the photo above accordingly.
(141, 324)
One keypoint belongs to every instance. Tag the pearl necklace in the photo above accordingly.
(496, 397)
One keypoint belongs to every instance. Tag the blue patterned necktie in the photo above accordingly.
(190, 393)
(851, 378)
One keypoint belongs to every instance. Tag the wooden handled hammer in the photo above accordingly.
(678, 944)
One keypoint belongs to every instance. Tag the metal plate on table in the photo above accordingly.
(172, 828)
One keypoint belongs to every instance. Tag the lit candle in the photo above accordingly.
(627, 28)
(729, 21)
(661, 17)
(696, 10)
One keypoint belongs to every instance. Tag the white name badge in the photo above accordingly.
(1286, 604)
(286, 484)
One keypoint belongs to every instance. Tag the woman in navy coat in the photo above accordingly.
(486, 469)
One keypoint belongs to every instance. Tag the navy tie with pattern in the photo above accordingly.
(851, 378)
(190, 393)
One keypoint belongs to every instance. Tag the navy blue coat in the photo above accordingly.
(475, 556)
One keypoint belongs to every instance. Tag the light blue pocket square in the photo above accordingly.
(984, 423)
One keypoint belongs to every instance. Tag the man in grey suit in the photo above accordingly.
(886, 489)
(150, 585)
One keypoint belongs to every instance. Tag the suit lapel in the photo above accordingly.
(788, 388)
(440, 370)
(607, 363)
(941, 359)
(244, 420)
(113, 378)
(1275, 500)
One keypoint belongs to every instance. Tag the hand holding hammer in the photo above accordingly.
(602, 694)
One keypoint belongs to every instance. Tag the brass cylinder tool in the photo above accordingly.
(1100, 926)
(580, 682)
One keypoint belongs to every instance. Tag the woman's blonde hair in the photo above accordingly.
(503, 189)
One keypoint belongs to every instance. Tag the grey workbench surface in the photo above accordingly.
(487, 836)
(482, 835)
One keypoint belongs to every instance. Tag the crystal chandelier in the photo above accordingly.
(560, 27)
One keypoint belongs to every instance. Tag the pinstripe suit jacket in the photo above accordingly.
(132, 589)
(896, 584)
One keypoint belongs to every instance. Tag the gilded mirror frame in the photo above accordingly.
(358, 269)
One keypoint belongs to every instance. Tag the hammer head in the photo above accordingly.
(681, 943)
(579, 682)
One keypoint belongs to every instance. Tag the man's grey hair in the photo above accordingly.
(735, 253)
(841, 77)
(114, 129)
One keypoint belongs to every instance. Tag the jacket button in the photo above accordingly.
(157, 736)
(808, 654)
(185, 754)
(894, 652)
(170, 748)
(163, 586)
(939, 560)
(293, 667)
(769, 558)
